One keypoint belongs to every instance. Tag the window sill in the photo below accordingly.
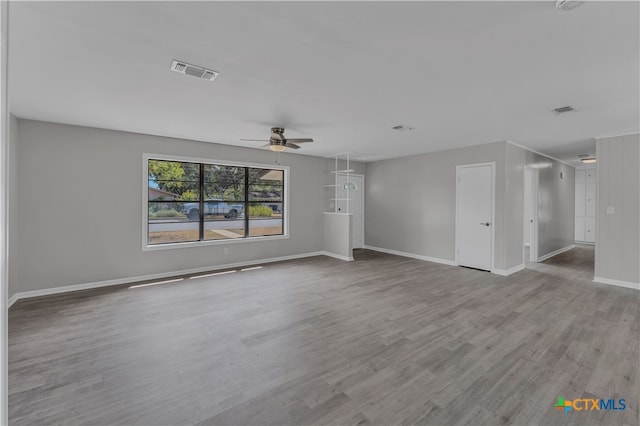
(193, 244)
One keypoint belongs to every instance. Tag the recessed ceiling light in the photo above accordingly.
(402, 127)
(193, 70)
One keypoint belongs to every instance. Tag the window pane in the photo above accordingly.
(224, 183)
(174, 209)
(167, 211)
(213, 193)
(223, 229)
(189, 232)
(174, 171)
(266, 185)
(262, 227)
(168, 224)
(174, 180)
(187, 191)
(220, 210)
(265, 219)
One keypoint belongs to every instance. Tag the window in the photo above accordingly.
(191, 201)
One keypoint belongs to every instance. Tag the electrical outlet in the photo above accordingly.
(611, 210)
(226, 251)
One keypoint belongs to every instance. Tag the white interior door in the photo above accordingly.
(474, 215)
(355, 205)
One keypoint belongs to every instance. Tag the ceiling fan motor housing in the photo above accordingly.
(277, 136)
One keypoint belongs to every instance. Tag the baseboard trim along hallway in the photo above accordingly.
(619, 283)
(507, 272)
(411, 255)
(555, 253)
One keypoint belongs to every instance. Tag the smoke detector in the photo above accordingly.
(193, 70)
(564, 109)
(568, 4)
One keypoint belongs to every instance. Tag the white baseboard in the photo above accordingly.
(128, 280)
(12, 300)
(555, 253)
(619, 283)
(411, 255)
(507, 272)
(338, 256)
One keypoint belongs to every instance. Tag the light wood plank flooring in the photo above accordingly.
(382, 340)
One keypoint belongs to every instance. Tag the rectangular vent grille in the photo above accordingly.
(563, 109)
(193, 70)
(402, 127)
(196, 72)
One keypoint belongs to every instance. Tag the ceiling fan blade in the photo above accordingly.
(255, 140)
(266, 145)
(291, 145)
(299, 140)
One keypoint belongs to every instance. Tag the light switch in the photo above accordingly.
(611, 210)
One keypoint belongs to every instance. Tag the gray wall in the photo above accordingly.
(337, 234)
(410, 202)
(556, 203)
(618, 234)
(80, 203)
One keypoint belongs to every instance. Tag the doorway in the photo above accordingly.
(351, 200)
(475, 216)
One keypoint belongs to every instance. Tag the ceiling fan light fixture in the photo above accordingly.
(277, 148)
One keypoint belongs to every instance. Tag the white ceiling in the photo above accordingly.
(461, 73)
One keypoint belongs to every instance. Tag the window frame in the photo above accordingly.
(190, 244)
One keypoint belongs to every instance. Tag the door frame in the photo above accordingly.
(533, 215)
(493, 211)
(362, 200)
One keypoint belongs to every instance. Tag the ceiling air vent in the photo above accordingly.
(568, 4)
(402, 127)
(193, 70)
(563, 109)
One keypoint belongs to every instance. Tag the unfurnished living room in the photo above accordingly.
(320, 213)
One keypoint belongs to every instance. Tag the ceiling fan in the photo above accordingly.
(277, 141)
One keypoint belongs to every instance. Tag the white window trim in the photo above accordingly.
(190, 244)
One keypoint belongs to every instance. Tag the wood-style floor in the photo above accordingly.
(382, 340)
